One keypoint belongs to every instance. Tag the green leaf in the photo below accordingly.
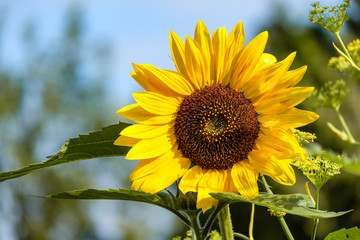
(94, 145)
(161, 199)
(296, 204)
(349, 234)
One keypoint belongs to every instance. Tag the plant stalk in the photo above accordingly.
(251, 225)
(281, 219)
(197, 232)
(225, 224)
(316, 221)
(345, 126)
(337, 34)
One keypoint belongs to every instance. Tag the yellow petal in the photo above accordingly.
(219, 58)
(189, 182)
(202, 37)
(287, 145)
(157, 103)
(286, 135)
(247, 61)
(266, 60)
(245, 179)
(150, 148)
(288, 176)
(204, 200)
(126, 141)
(212, 181)
(141, 131)
(161, 175)
(281, 100)
(170, 160)
(161, 81)
(261, 162)
(136, 113)
(267, 78)
(236, 40)
(275, 143)
(177, 48)
(196, 64)
(292, 118)
(292, 77)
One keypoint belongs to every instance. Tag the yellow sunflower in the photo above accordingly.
(218, 121)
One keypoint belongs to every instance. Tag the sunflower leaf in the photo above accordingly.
(94, 145)
(160, 199)
(352, 233)
(296, 204)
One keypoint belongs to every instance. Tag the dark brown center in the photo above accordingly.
(216, 127)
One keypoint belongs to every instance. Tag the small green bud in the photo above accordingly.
(330, 18)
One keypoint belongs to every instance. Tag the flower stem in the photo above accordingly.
(337, 34)
(242, 236)
(316, 221)
(345, 126)
(280, 218)
(225, 224)
(251, 225)
(197, 232)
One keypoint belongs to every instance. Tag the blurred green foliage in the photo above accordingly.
(43, 101)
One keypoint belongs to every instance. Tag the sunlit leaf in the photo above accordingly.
(94, 145)
(296, 204)
(348, 234)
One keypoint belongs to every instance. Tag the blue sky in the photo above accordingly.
(138, 31)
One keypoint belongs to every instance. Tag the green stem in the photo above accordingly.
(251, 225)
(345, 126)
(242, 236)
(196, 229)
(316, 221)
(212, 218)
(225, 224)
(337, 34)
(281, 219)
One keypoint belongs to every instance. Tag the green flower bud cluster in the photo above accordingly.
(276, 213)
(188, 236)
(321, 168)
(330, 95)
(214, 235)
(302, 137)
(330, 18)
(343, 65)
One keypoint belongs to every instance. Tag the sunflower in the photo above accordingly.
(218, 121)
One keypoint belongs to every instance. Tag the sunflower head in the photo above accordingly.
(219, 120)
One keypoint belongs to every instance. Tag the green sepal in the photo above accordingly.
(94, 145)
(296, 204)
(352, 233)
